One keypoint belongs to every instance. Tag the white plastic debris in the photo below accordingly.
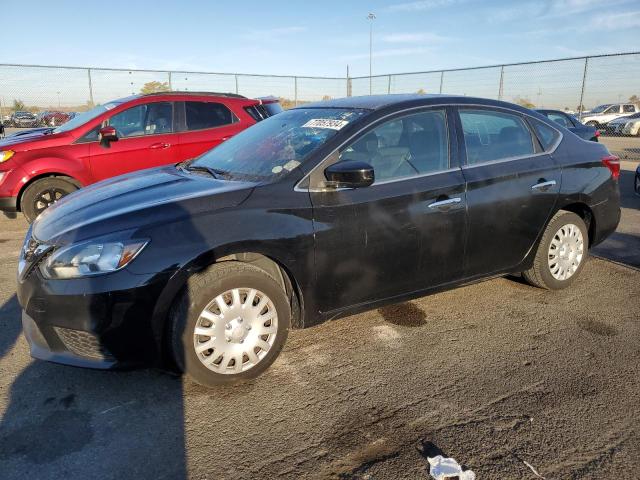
(446, 467)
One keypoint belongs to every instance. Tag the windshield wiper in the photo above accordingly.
(200, 168)
(214, 172)
(221, 173)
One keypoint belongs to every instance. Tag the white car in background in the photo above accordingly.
(625, 125)
(603, 114)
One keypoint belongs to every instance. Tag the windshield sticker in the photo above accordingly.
(290, 165)
(325, 123)
(276, 169)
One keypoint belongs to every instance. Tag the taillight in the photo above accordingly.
(597, 134)
(613, 164)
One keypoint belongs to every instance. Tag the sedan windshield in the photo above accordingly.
(277, 145)
(85, 117)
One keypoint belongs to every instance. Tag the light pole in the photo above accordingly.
(371, 17)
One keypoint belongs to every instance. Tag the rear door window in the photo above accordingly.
(201, 115)
(629, 108)
(490, 135)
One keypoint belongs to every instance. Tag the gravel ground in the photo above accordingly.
(494, 374)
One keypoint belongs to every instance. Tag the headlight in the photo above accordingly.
(91, 258)
(6, 155)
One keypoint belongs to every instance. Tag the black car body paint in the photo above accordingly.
(341, 251)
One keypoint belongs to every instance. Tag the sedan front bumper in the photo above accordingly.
(103, 322)
(84, 351)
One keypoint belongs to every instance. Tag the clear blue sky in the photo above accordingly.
(312, 37)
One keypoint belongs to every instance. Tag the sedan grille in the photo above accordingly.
(83, 344)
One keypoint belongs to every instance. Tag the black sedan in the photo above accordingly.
(318, 212)
(571, 123)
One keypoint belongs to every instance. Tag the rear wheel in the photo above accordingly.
(229, 325)
(561, 253)
(43, 193)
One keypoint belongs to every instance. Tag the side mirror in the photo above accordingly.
(106, 135)
(349, 174)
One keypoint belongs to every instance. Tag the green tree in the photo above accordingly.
(634, 99)
(524, 102)
(421, 91)
(154, 87)
(18, 105)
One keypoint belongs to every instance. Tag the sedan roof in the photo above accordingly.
(376, 102)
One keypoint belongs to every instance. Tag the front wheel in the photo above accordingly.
(561, 253)
(43, 193)
(229, 324)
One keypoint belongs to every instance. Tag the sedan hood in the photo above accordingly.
(134, 201)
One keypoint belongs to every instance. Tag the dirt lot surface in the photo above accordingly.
(494, 374)
(627, 148)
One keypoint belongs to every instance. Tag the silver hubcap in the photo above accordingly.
(566, 252)
(235, 330)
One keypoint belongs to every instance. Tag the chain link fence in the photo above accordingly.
(38, 88)
(573, 84)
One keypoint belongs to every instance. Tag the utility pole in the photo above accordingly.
(371, 18)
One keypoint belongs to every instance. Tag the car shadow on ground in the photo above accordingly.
(628, 198)
(620, 247)
(10, 325)
(74, 423)
(624, 246)
(65, 422)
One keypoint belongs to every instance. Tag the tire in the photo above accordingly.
(241, 333)
(547, 271)
(592, 124)
(43, 193)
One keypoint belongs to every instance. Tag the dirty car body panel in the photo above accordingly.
(440, 218)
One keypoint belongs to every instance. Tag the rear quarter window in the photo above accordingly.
(548, 136)
(201, 115)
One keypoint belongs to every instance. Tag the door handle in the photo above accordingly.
(156, 146)
(443, 204)
(543, 186)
